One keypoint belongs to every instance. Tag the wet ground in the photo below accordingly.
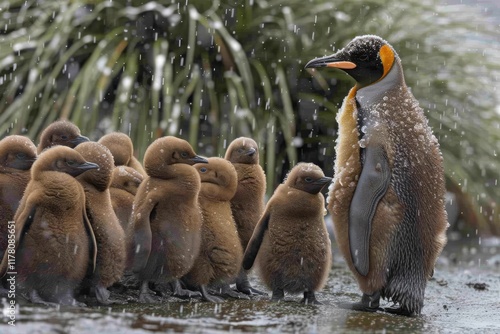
(463, 296)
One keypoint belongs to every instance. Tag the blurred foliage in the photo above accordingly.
(210, 71)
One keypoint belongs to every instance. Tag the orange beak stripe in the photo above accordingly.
(346, 65)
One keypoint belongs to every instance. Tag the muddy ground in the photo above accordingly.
(463, 296)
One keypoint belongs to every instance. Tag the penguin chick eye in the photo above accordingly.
(70, 163)
(64, 137)
(21, 156)
(308, 179)
(240, 150)
(203, 170)
(184, 155)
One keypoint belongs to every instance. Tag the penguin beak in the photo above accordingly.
(199, 160)
(331, 61)
(88, 165)
(251, 151)
(78, 140)
(316, 186)
(323, 181)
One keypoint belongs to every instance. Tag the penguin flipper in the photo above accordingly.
(93, 241)
(142, 235)
(255, 242)
(22, 224)
(372, 186)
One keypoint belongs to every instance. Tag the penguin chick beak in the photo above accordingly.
(251, 151)
(316, 186)
(199, 160)
(78, 140)
(331, 61)
(88, 165)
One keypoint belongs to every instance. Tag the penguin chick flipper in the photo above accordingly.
(142, 235)
(23, 223)
(93, 241)
(254, 243)
(372, 186)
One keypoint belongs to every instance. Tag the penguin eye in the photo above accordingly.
(21, 156)
(184, 155)
(64, 137)
(240, 150)
(308, 179)
(203, 170)
(70, 163)
(363, 57)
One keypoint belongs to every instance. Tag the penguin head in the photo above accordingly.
(61, 133)
(16, 153)
(307, 177)
(100, 155)
(366, 58)
(61, 159)
(243, 150)
(168, 151)
(120, 145)
(126, 178)
(219, 179)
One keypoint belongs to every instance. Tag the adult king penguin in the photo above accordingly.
(387, 199)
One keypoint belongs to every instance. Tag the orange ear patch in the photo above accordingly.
(387, 58)
(346, 65)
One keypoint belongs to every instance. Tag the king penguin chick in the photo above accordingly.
(109, 234)
(291, 242)
(167, 220)
(387, 200)
(124, 184)
(221, 253)
(247, 204)
(17, 154)
(62, 133)
(122, 149)
(54, 240)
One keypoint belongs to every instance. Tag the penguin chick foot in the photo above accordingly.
(208, 297)
(278, 295)
(243, 286)
(146, 295)
(225, 291)
(102, 294)
(398, 310)
(181, 293)
(310, 299)
(35, 298)
(368, 303)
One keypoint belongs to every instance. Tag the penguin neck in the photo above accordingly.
(375, 92)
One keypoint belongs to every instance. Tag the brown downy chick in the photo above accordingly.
(54, 240)
(221, 253)
(62, 133)
(17, 154)
(166, 217)
(124, 184)
(122, 149)
(291, 241)
(109, 234)
(247, 204)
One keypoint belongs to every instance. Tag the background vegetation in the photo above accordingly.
(210, 71)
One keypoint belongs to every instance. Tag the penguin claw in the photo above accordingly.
(398, 310)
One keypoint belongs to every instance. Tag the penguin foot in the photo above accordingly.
(146, 295)
(310, 299)
(208, 297)
(182, 293)
(398, 310)
(243, 286)
(368, 303)
(102, 294)
(278, 295)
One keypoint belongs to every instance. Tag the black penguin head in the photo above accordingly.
(16, 153)
(367, 59)
(61, 133)
(307, 177)
(243, 150)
